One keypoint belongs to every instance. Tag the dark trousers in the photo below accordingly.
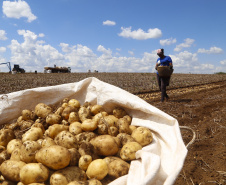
(163, 82)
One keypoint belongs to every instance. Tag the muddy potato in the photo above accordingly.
(59, 110)
(86, 148)
(55, 157)
(25, 125)
(75, 128)
(125, 138)
(102, 129)
(97, 169)
(11, 170)
(132, 128)
(142, 135)
(84, 113)
(42, 110)
(47, 141)
(89, 125)
(97, 109)
(85, 136)
(15, 155)
(32, 134)
(119, 112)
(13, 144)
(123, 125)
(117, 167)
(66, 175)
(26, 114)
(75, 155)
(84, 162)
(39, 125)
(34, 173)
(129, 150)
(52, 119)
(2, 148)
(88, 182)
(4, 156)
(105, 145)
(66, 139)
(110, 120)
(98, 116)
(55, 129)
(113, 131)
(74, 103)
(66, 112)
(6, 135)
(28, 150)
(73, 117)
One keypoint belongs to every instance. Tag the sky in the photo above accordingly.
(113, 35)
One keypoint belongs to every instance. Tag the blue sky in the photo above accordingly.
(113, 35)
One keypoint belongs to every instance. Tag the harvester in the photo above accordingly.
(8, 65)
(56, 69)
(17, 69)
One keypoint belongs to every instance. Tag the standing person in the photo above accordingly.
(163, 81)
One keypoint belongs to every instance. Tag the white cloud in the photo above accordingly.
(3, 35)
(109, 23)
(131, 53)
(106, 52)
(187, 43)
(212, 50)
(140, 34)
(18, 9)
(2, 49)
(168, 41)
(223, 62)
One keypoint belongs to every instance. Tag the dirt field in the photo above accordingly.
(202, 108)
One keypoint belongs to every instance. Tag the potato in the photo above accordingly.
(66, 139)
(117, 167)
(65, 122)
(55, 157)
(85, 136)
(28, 150)
(119, 112)
(42, 110)
(113, 131)
(55, 129)
(105, 145)
(84, 162)
(52, 119)
(59, 110)
(73, 117)
(84, 113)
(129, 150)
(13, 144)
(86, 148)
(89, 125)
(98, 116)
(110, 120)
(25, 125)
(11, 170)
(142, 135)
(75, 128)
(6, 135)
(97, 109)
(97, 169)
(125, 138)
(89, 182)
(123, 125)
(102, 129)
(32, 134)
(15, 155)
(4, 156)
(26, 114)
(33, 173)
(65, 100)
(47, 141)
(132, 128)
(66, 112)
(64, 176)
(75, 155)
(74, 103)
(39, 125)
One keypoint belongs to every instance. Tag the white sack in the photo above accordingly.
(157, 164)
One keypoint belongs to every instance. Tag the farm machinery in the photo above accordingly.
(56, 69)
(17, 69)
(8, 65)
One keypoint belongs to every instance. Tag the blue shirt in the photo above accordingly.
(164, 61)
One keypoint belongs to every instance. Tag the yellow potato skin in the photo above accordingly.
(97, 169)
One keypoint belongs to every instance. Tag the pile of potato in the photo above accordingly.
(69, 144)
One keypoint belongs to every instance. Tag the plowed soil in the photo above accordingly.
(203, 109)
